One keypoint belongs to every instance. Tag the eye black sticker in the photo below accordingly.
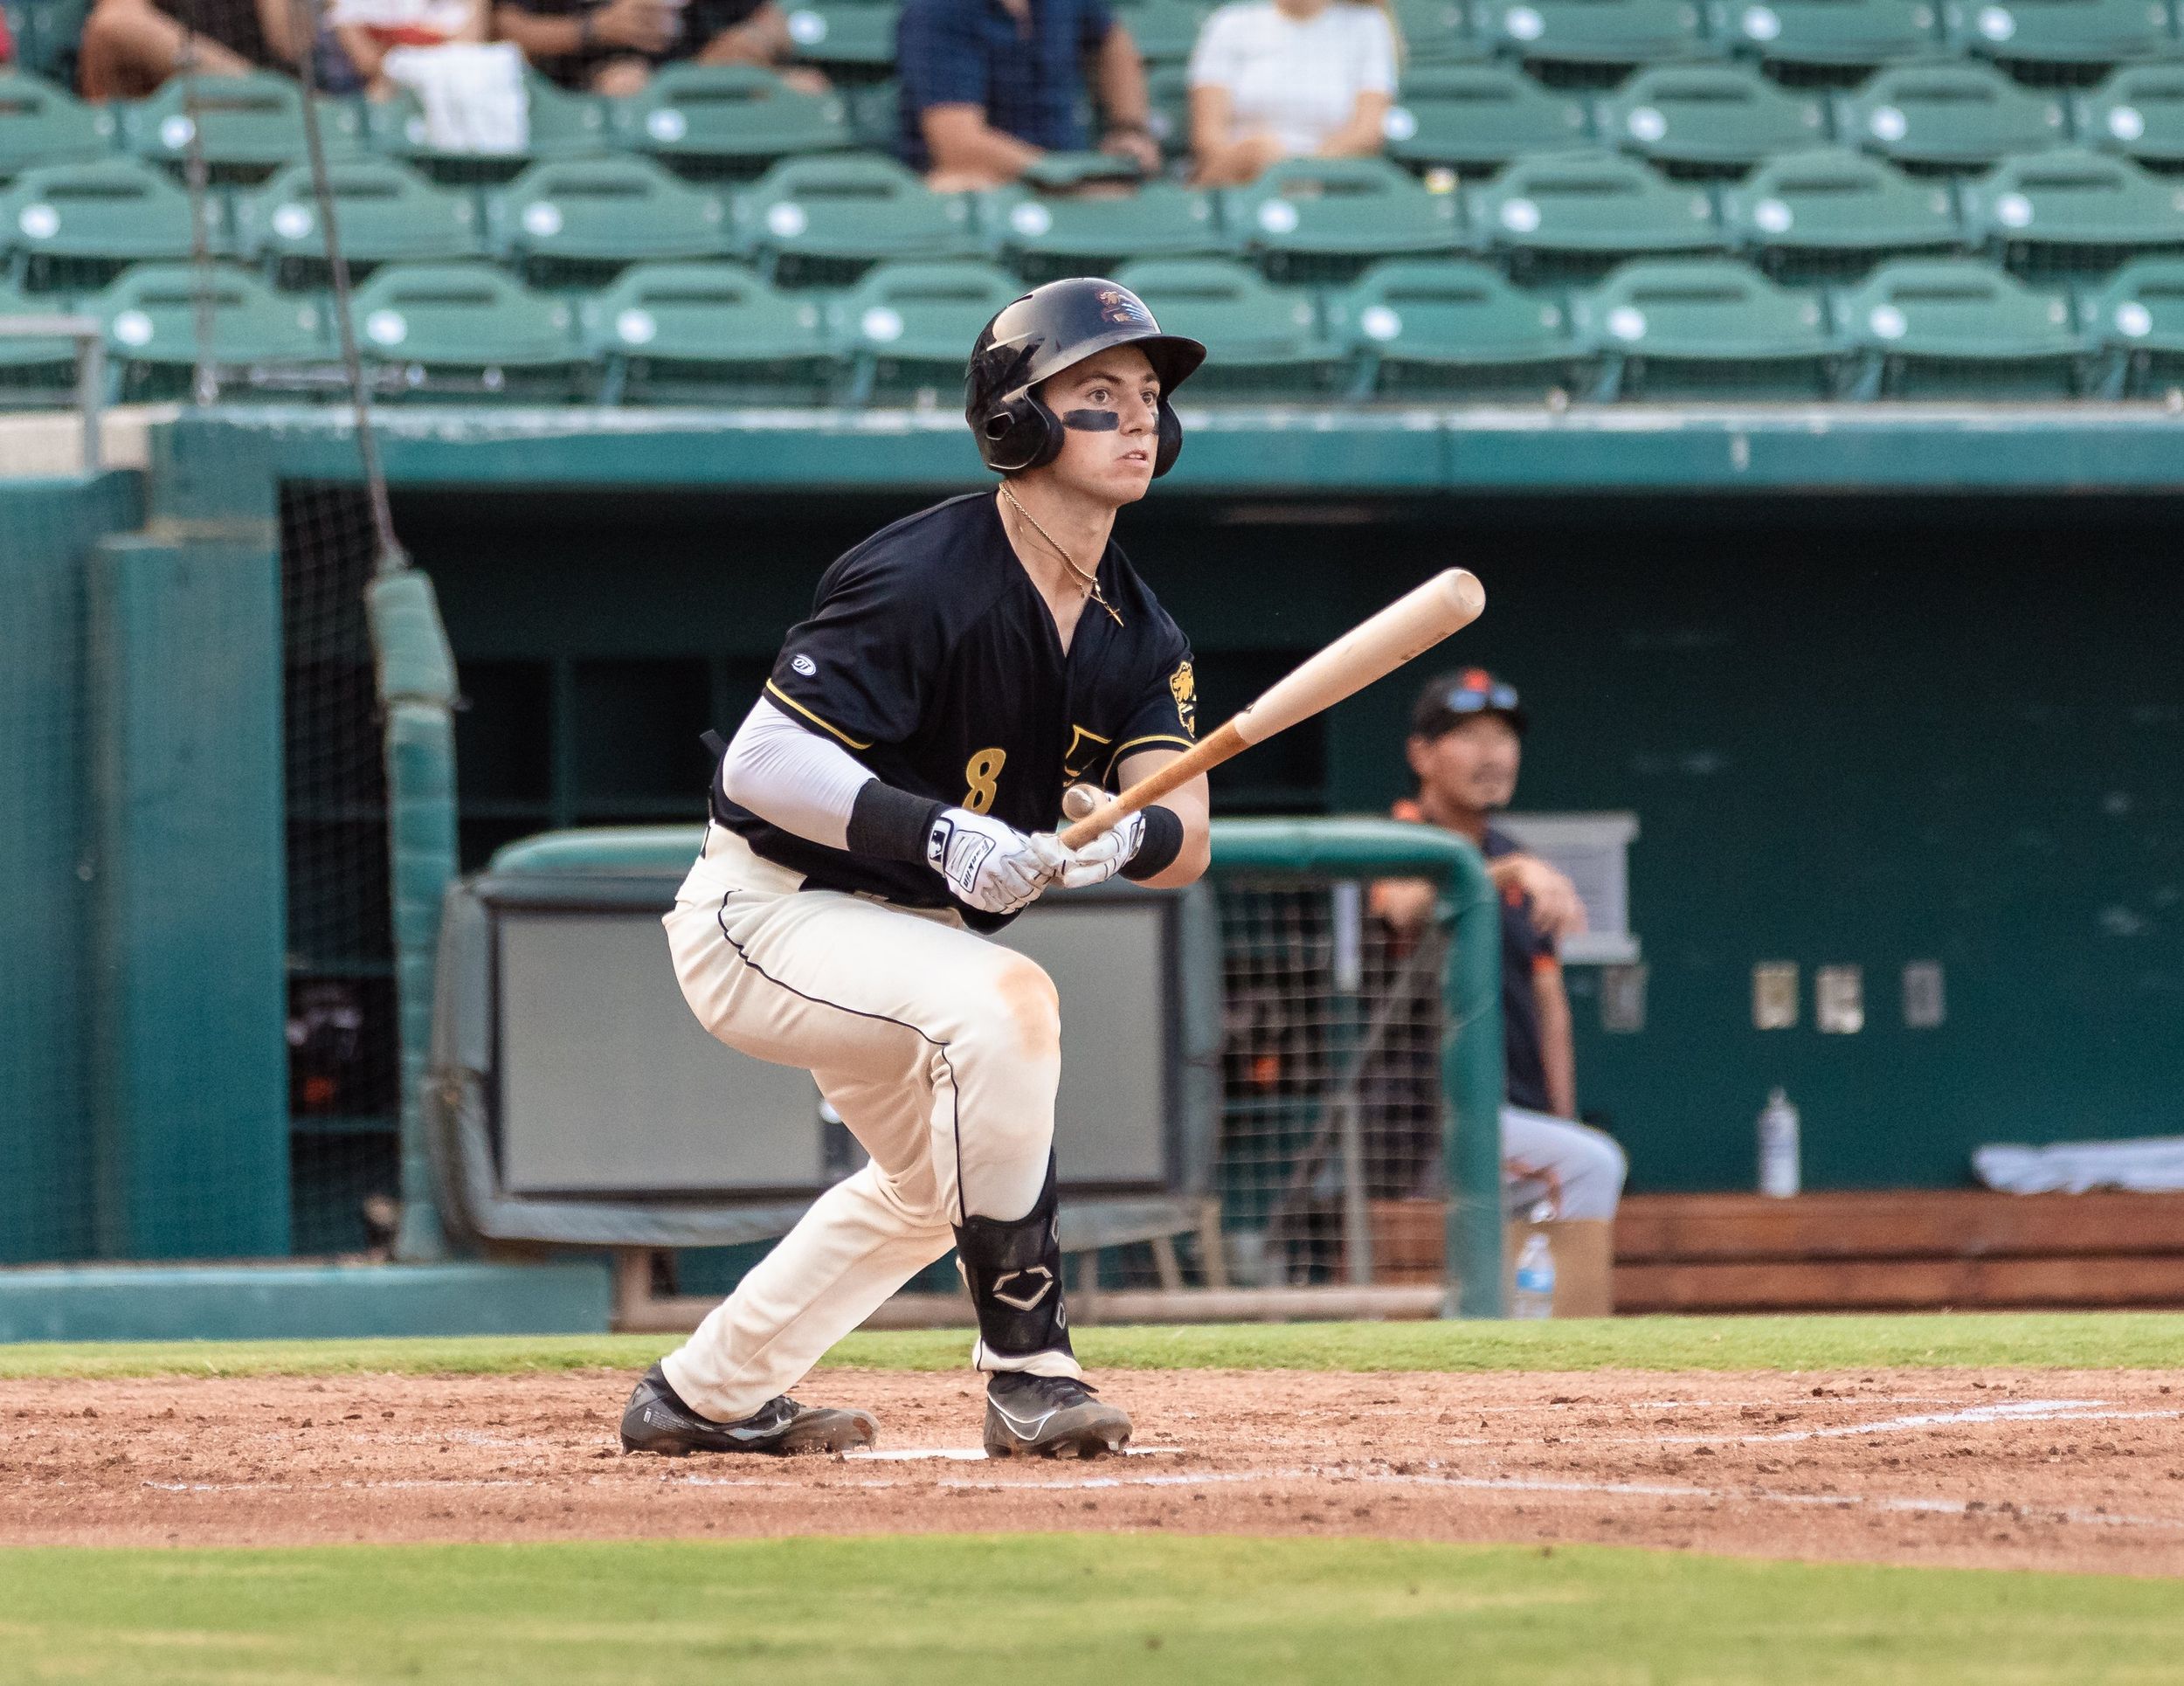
(1091, 421)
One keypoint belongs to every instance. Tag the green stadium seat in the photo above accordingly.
(2073, 210)
(706, 333)
(47, 34)
(1168, 87)
(1593, 31)
(443, 331)
(1461, 115)
(1578, 213)
(2138, 112)
(1954, 115)
(852, 35)
(1690, 328)
(1260, 342)
(73, 227)
(1434, 329)
(563, 125)
(260, 338)
(246, 127)
(1320, 219)
(824, 220)
(1435, 32)
(1046, 237)
(1830, 213)
(1709, 117)
(2059, 31)
(1827, 35)
(875, 114)
(908, 328)
(1955, 328)
(2138, 319)
(1164, 30)
(41, 124)
(384, 212)
(705, 120)
(35, 374)
(585, 220)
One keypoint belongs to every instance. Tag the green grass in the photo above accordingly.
(2059, 1340)
(1109, 1610)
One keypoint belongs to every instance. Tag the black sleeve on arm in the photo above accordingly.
(890, 824)
(1163, 842)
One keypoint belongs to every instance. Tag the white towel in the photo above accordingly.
(472, 95)
(2150, 1165)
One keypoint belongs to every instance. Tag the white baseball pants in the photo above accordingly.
(941, 1051)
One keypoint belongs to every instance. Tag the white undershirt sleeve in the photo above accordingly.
(794, 777)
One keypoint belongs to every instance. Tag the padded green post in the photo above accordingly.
(189, 918)
(416, 692)
(1472, 1073)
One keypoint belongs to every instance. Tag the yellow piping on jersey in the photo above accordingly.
(1115, 760)
(776, 691)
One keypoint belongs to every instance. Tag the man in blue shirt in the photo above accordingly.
(988, 86)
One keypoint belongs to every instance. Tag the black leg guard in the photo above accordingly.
(1013, 1270)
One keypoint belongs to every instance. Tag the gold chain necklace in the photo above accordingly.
(1091, 581)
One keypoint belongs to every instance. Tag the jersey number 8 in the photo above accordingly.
(982, 772)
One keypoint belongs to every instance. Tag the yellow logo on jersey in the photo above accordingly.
(1183, 686)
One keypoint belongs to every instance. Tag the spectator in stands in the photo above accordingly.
(369, 29)
(989, 86)
(1288, 78)
(130, 46)
(613, 46)
(1465, 748)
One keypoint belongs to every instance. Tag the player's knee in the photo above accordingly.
(1026, 1009)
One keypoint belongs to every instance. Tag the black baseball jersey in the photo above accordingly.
(930, 656)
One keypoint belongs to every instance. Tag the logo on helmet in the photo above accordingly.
(1117, 306)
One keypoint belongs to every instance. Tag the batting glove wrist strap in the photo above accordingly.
(989, 865)
(1013, 1269)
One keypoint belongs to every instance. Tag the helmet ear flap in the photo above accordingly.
(1019, 433)
(1169, 445)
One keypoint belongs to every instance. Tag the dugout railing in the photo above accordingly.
(1299, 985)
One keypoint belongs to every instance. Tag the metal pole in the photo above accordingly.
(1473, 1076)
(1346, 915)
(91, 391)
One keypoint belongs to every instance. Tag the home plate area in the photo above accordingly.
(2042, 1468)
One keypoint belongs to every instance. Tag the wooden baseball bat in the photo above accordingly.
(1372, 649)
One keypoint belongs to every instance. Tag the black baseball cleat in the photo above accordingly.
(1051, 1416)
(655, 1420)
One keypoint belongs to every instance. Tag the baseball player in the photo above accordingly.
(887, 804)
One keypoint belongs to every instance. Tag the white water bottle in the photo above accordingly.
(1778, 1173)
(1534, 1295)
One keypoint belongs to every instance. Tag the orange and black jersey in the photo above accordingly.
(930, 656)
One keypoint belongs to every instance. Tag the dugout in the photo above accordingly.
(1892, 690)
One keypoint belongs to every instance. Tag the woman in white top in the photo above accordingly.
(1286, 79)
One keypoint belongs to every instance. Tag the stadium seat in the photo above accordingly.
(1955, 328)
(2059, 31)
(1830, 213)
(1703, 327)
(1319, 220)
(2138, 112)
(1449, 330)
(1044, 238)
(1459, 115)
(464, 331)
(2073, 210)
(41, 124)
(1827, 35)
(563, 125)
(711, 333)
(1955, 115)
(907, 327)
(258, 336)
(246, 127)
(47, 36)
(1164, 30)
(35, 374)
(706, 120)
(73, 227)
(1592, 33)
(1708, 117)
(385, 213)
(875, 114)
(852, 35)
(1260, 342)
(2138, 319)
(585, 220)
(1435, 32)
(1577, 213)
(823, 221)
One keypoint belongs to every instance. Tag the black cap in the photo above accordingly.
(1451, 699)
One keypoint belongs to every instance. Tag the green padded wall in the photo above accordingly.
(47, 528)
(187, 929)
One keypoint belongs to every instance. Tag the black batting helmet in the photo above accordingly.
(1043, 333)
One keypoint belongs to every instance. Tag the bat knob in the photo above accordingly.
(1080, 800)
